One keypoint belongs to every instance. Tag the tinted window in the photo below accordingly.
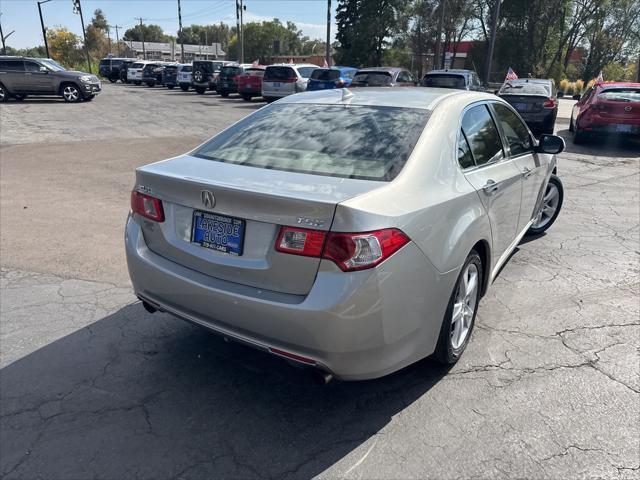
(349, 74)
(136, 65)
(325, 74)
(230, 71)
(204, 66)
(254, 72)
(372, 142)
(104, 62)
(186, 68)
(274, 74)
(305, 72)
(464, 152)
(514, 130)
(621, 94)
(31, 66)
(405, 77)
(525, 88)
(482, 135)
(116, 63)
(11, 65)
(443, 81)
(373, 79)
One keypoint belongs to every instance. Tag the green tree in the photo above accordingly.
(151, 33)
(264, 40)
(207, 34)
(65, 46)
(97, 40)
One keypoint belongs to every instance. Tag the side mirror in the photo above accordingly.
(577, 96)
(495, 92)
(43, 69)
(560, 94)
(552, 144)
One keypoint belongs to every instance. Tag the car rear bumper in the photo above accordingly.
(355, 325)
(612, 129)
(539, 119)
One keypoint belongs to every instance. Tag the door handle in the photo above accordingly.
(490, 187)
(527, 172)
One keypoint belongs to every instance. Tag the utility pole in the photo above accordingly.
(77, 8)
(4, 50)
(638, 72)
(492, 40)
(117, 38)
(327, 53)
(238, 29)
(109, 37)
(180, 33)
(436, 56)
(44, 30)
(242, 7)
(144, 51)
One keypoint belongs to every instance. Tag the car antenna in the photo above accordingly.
(346, 94)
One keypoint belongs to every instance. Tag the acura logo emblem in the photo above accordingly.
(208, 200)
(627, 109)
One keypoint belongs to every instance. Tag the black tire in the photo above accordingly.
(170, 87)
(113, 79)
(578, 135)
(224, 93)
(246, 97)
(554, 182)
(71, 93)
(445, 352)
(269, 99)
(184, 88)
(4, 94)
(151, 84)
(571, 124)
(137, 82)
(88, 98)
(20, 96)
(200, 90)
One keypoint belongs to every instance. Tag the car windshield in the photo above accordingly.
(443, 81)
(372, 143)
(373, 79)
(621, 94)
(52, 65)
(325, 74)
(525, 88)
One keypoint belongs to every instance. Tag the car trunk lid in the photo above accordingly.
(261, 200)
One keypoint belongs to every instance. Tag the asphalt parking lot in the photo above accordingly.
(92, 386)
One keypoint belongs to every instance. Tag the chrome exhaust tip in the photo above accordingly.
(321, 378)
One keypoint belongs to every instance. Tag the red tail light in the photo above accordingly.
(289, 80)
(147, 206)
(350, 251)
(549, 103)
(339, 83)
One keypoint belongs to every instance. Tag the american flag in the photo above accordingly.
(325, 64)
(511, 75)
(256, 62)
(600, 77)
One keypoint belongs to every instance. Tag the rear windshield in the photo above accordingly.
(279, 73)
(116, 62)
(254, 72)
(186, 68)
(621, 94)
(443, 81)
(325, 74)
(171, 68)
(204, 66)
(372, 143)
(525, 89)
(373, 79)
(104, 61)
(305, 72)
(230, 71)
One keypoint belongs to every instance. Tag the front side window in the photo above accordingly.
(372, 143)
(482, 135)
(515, 132)
(32, 66)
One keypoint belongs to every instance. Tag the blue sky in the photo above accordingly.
(22, 15)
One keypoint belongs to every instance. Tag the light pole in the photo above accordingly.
(180, 33)
(492, 40)
(77, 8)
(327, 53)
(44, 30)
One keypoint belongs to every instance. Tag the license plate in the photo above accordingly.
(624, 128)
(276, 84)
(217, 232)
(521, 106)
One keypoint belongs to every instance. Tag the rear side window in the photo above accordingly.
(105, 62)
(621, 94)
(372, 143)
(482, 135)
(325, 74)
(405, 77)
(373, 79)
(464, 152)
(11, 66)
(136, 65)
(525, 88)
(443, 81)
(274, 74)
(254, 72)
(230, 71)
(116, 63)
(514, 130)
(305, 72)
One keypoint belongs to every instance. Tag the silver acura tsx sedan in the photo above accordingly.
(352, 232)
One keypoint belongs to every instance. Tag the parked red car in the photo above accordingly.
(250, 82)
(607, 108)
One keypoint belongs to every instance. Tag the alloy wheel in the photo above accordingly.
(464, 306)
(71, 93)
(549, 207)
(3, 94)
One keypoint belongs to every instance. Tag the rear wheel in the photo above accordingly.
(578, 135)
(571, 123)
(4, 95)
(461, 312)
(246, 97)
(151, 84)
(137, 82)
(551, 205)
(88, 98)
(113, 79)
(184, 88)
(170, 87)
(71, 93)
(20, 96)
(224, 93)
(200, 90)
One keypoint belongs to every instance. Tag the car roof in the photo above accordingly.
(380, 69)
(618, 84)
(293, 65)
(530, 80)
(455, 71)
(407, 97)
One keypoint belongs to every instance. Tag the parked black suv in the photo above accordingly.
(205, 74)
(124, 69)
(228, 79)
(22, 76)
(152, 74)
(170, 76)
(112, 68)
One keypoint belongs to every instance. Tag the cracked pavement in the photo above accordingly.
(92, 386)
